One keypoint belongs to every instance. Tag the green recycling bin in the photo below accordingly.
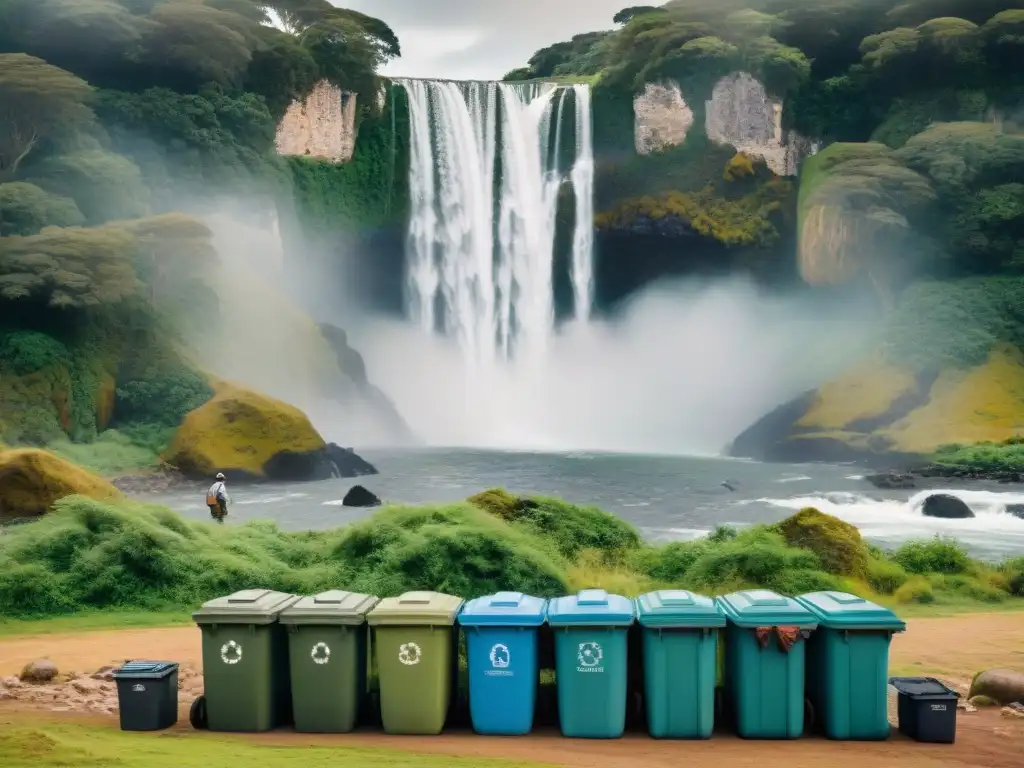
(764, 662)
(848, 664)
(591, 662)
(245, 661)
(414, 639)
(327, 659)
(680, 643)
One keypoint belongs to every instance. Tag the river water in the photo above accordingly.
(666, 497)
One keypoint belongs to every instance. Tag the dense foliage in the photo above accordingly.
(118, 119)
(90, 554)
(916, 106)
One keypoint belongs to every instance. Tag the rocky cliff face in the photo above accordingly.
(740, 114)
(662, 117)
(323, 125)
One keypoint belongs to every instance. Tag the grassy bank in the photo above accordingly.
(983, 458)
(148, 565)
(43, 745)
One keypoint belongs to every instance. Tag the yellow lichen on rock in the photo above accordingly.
(239, 431)
(865, 391)
(985, 403)
(31, 480)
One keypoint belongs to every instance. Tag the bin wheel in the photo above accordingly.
(810, 716)
(197, 714)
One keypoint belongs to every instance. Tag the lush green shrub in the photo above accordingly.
(25, 352)
(940, 555)
(755, 557)
(885, 576)
(916, 590)
(34, 425)
(837, 544)
(161, 399)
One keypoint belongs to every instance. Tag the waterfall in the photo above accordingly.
(583, 184)
(484, 179)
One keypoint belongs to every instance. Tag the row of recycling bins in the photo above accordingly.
(271, 659)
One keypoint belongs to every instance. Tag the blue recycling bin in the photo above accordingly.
(501, 643)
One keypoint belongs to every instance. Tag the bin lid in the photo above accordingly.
(149, 670)
(334, 607)
(678, 608)
(922, 687)
(591, 608)
(248, 606)
(417, 609)
(753, 608)
(504, 609)
(840, 610)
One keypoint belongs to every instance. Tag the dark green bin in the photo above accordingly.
(245, 661)
(327, 658)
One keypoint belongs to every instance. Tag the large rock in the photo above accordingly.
(39, 671)
(892, 480)
(31, 480)
(837, 544)
(249, 436)
(358, 496)
(1004, 686)
(880, 409)
(946, 506)
(1017, 510)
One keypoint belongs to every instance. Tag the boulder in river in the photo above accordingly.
(1017, 510)
(39, 671)
(946, 506)
(358, 496)
(892, 480)
(1004, 686)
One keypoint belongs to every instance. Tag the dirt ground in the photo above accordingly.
(950, 648)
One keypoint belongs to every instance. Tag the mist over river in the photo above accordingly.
(666, 497)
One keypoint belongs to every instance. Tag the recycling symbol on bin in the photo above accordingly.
(409, 654)
(231, 652)
(321, 653)
(500, 657)
(589, 654)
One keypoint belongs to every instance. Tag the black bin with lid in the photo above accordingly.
(927, 709)
(147, 695)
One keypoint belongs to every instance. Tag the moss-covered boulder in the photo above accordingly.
(32, 480)
(879, 409)
(250, 436)
(837, 544)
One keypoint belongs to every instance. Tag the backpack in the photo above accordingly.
(211, 496)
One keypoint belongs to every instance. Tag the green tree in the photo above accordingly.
(25, 209)
(193, 43)
(105, 186)
(36, 101)
(68, 268)
(626, 15)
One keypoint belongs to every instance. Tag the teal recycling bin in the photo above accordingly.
(501, 646)
(680, 631)
(764, 662)
(591, 663)
(848, 664)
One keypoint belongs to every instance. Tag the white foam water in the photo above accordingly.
(895, 521)
(484, 185)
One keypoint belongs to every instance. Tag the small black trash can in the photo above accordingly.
(147, 695)
(927, 709)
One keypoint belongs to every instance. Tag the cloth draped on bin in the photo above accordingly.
(786, 637)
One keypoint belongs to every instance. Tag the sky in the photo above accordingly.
(480, 39)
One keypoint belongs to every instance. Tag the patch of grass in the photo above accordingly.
(148, 565)
(92, 621)
(111, 453)
(45, 745)
(1007, 456)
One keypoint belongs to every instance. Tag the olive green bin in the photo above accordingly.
(245, 661)
(327, 638)
(415, 644)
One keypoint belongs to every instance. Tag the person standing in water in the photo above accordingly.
(217, 499)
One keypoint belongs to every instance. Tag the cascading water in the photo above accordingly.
(484, 181)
